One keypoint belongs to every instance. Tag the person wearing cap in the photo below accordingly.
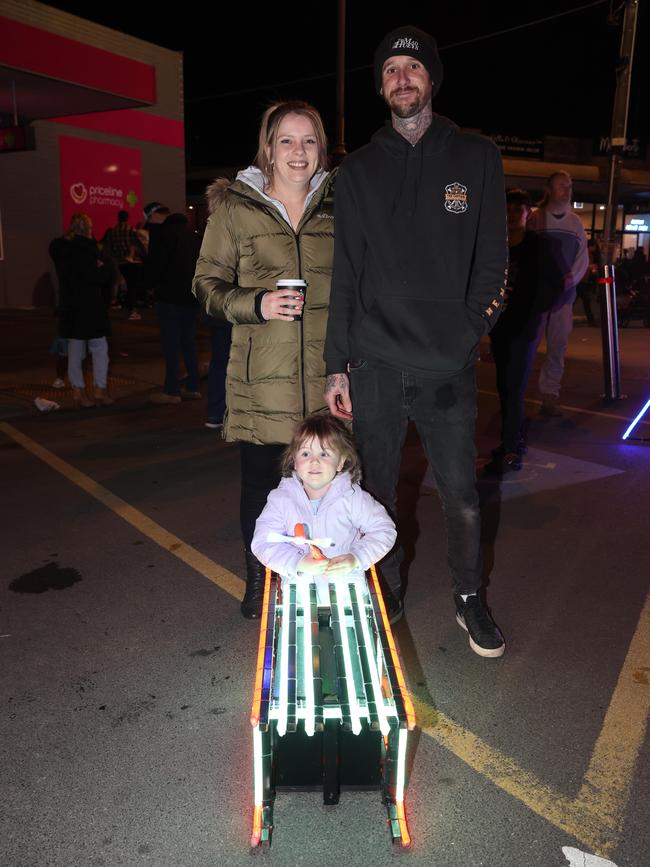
(169, 270)
(419, 270)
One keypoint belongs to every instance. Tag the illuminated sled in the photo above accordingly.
(330, 707)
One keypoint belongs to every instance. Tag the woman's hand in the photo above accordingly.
(282, 304)
(341, 565)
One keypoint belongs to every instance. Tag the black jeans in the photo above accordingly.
(444, 412)
(513, 357)
(133, 273)
(178, 335)
(260, 473)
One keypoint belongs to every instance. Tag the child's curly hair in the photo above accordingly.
(330, 432)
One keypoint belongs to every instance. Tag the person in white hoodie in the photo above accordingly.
(321, 470)
(555, 221)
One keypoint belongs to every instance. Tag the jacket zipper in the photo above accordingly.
(302, 336)
(248, 359)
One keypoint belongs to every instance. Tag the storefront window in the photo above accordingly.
(637, 232)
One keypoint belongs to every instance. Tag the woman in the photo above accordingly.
(274, 222)
(83, 315)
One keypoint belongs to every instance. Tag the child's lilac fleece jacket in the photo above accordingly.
(354, 520)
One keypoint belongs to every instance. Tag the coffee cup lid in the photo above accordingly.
(291, 283)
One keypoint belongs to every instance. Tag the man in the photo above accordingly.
(555, 220)
(169, 270)
(118, 243)
(534, 284)
(419, 267)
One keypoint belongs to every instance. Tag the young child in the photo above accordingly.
(320, 488)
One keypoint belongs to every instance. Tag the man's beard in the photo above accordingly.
(408, 109)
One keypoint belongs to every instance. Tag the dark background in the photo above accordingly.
(553, 77)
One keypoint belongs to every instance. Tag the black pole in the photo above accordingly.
(608, 319)
(609, 331)
(339, 151)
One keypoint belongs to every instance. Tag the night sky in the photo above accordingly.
(554, 78)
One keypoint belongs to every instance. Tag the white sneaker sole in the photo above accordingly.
(490, 653)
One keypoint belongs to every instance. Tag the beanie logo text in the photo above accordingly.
(456, 198)
(406, 42)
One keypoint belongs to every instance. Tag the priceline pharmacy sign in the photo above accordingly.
(99, 179)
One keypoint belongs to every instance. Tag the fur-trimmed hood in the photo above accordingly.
(255, 179)
(215, 193)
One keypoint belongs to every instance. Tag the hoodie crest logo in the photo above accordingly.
(456, 198)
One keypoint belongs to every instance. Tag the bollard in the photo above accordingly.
(609, 331)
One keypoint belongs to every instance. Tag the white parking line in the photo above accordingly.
(568, 408)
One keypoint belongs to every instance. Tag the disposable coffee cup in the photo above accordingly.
(298, 285)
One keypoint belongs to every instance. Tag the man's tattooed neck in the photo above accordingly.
(413, 128)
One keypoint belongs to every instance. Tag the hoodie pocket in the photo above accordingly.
(429, 335)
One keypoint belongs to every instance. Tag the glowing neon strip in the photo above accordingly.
(258, 782)
(403, 827)
(292, 662)
(284, 667)
(333, 712)
(308, 659)
(384, 725)
(257, 765)
(339, 661)
(343, 599)
(636, 420)
(401, 765)
(261, 648)
(408, 704)
(256, 836)
(315, 649)
(364, 659)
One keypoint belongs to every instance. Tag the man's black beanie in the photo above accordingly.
(412, 42)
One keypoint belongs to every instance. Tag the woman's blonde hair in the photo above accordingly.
(331, 433)
(546, 198)
(271, 120)
(80, 224)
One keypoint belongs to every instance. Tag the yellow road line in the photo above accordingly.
(595, 817)
(606, 787)
(223, 578)
(573, 408)
(561, 811)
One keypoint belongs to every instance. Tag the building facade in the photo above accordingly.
(91, 120)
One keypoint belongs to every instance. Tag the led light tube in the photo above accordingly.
(636, 420)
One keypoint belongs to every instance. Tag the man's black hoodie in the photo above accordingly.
(170, 265)
(421, 251)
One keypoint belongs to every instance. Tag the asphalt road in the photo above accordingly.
(127, 671)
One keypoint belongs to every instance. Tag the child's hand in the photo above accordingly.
(309, 566)
(341, 565)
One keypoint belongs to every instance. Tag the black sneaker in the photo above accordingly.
(506, 463)
(484, 637)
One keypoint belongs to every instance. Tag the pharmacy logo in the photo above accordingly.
(456, 198)
(132, 198)
(78, 193)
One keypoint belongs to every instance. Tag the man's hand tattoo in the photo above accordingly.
(336, 382)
